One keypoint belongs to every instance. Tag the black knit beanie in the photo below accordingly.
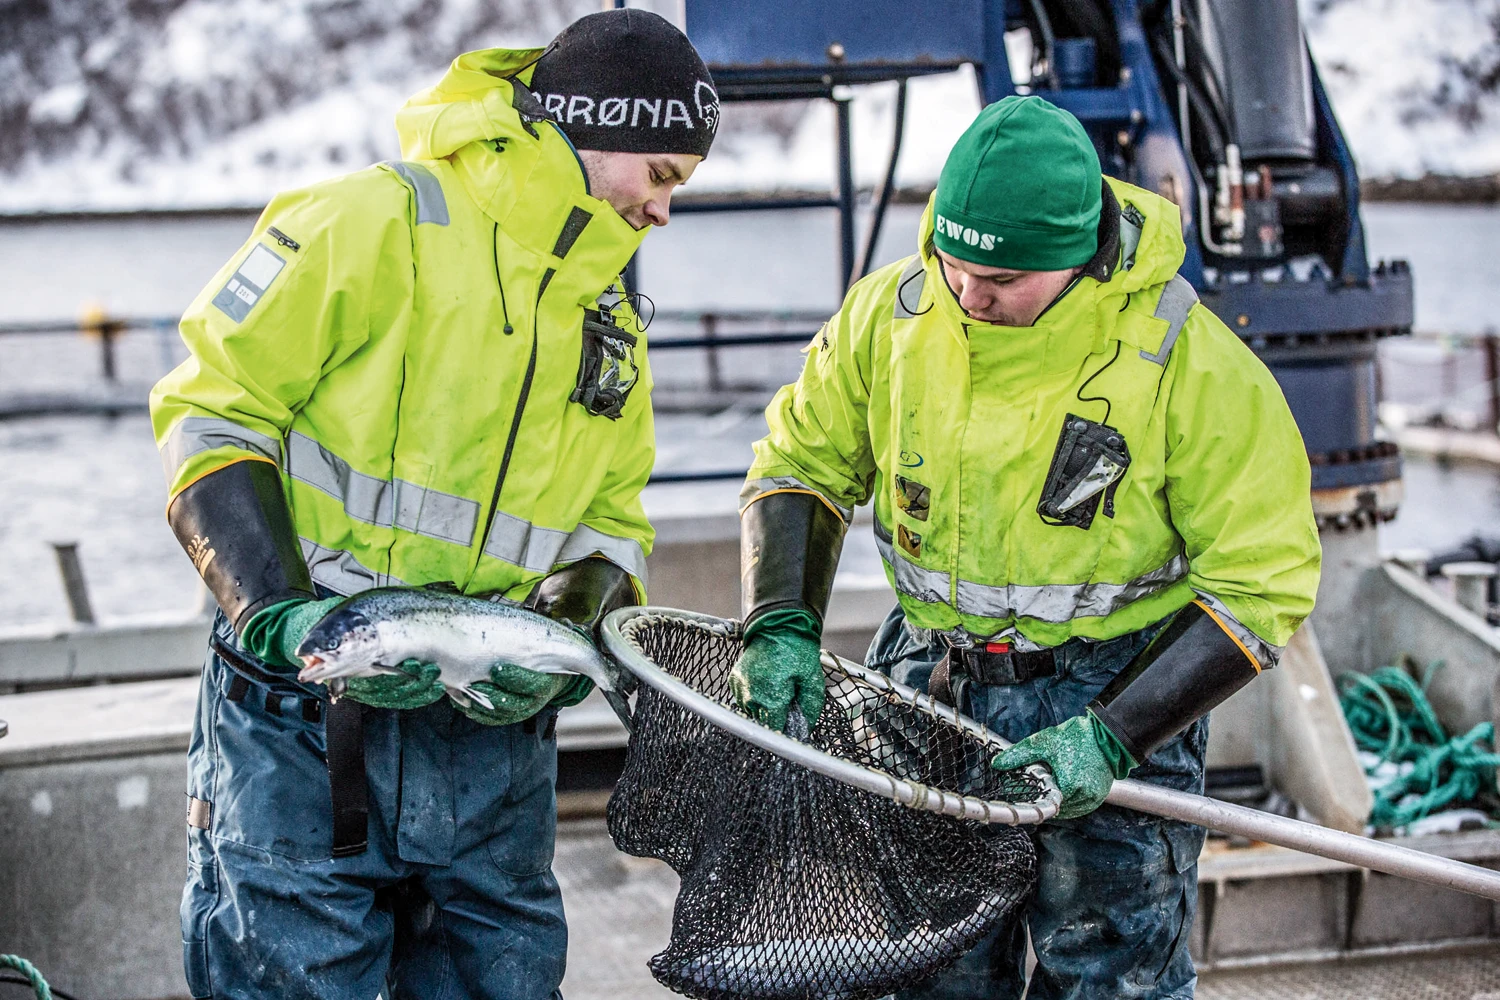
(628, 81)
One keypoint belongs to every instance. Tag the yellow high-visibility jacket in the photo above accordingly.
(403, 342)
(949, 426)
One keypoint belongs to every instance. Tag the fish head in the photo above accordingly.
(344, 643)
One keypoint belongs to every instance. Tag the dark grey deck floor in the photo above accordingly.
(1474, 976)
(620, 914)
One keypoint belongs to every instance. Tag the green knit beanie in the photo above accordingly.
(1020, 190)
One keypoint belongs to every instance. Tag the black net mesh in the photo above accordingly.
(795, 884)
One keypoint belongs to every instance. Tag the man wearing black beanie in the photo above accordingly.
(427, 373)
(627, 81)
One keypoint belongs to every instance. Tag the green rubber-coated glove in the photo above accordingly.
(782, 663)
(417, 686)
(1084, 756)
(517, 694)
(274, 633)
(579, 686)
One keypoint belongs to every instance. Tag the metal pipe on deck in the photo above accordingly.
(73, 582)
(1309, 838)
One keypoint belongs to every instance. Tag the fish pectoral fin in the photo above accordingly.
(473, 694)
(468, 696)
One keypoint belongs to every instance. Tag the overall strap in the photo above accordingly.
(344, 738)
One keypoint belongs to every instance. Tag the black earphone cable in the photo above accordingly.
(495, 256)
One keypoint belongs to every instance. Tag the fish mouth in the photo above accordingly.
(315, 669)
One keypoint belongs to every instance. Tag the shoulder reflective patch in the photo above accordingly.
(246, 286)
(432, 206)
(1177, 300)
(909, 289)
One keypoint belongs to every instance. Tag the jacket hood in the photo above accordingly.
(1157, 257)
(517, 166)
(473, 101)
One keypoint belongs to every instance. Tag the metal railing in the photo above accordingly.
(107, 330)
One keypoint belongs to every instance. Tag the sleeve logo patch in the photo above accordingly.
(248, 284)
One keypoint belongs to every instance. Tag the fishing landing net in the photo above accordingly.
(856, 861)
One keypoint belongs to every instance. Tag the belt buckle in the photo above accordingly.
(995, 664)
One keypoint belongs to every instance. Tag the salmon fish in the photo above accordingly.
(374, 631)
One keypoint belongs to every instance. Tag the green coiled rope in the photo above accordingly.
(1389, 715)
(25, 968)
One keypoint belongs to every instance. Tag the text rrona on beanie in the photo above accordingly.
(628, 81)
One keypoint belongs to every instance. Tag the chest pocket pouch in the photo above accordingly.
(1090, 460)
(607, 369)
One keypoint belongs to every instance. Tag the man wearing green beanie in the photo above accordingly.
(1092, 502)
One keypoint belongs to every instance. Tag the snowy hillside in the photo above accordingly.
(157, 103)
(1413, 82)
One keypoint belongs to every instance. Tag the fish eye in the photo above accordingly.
(331, 643)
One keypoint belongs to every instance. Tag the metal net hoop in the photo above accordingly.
(859, 692)
(851, 863)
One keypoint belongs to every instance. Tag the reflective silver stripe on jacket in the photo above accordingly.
(365, 498)
(930, 586)
(435, 514)
(1265, 654)
(194, 435)
(755, 488)
(909, 290)
(1062, 602)
(383, 503)
(521, 543)
(427, 189)
(1177, 300)
(340, 572)
(1054, 603)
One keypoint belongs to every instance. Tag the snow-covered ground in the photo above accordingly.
(116, 104)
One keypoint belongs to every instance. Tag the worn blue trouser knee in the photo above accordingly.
(454, 898)
(1114, 903)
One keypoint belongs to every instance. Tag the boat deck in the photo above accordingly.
(620, 914)
(1470, 976)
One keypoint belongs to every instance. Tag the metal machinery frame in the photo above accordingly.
(1151, 81)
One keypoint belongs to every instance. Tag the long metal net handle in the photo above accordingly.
(1293, 834)
(621, 627)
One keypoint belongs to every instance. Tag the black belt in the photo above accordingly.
(988, 663)
(344, 737)
(1000, 663)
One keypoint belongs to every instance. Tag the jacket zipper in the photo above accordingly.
(515, 423)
